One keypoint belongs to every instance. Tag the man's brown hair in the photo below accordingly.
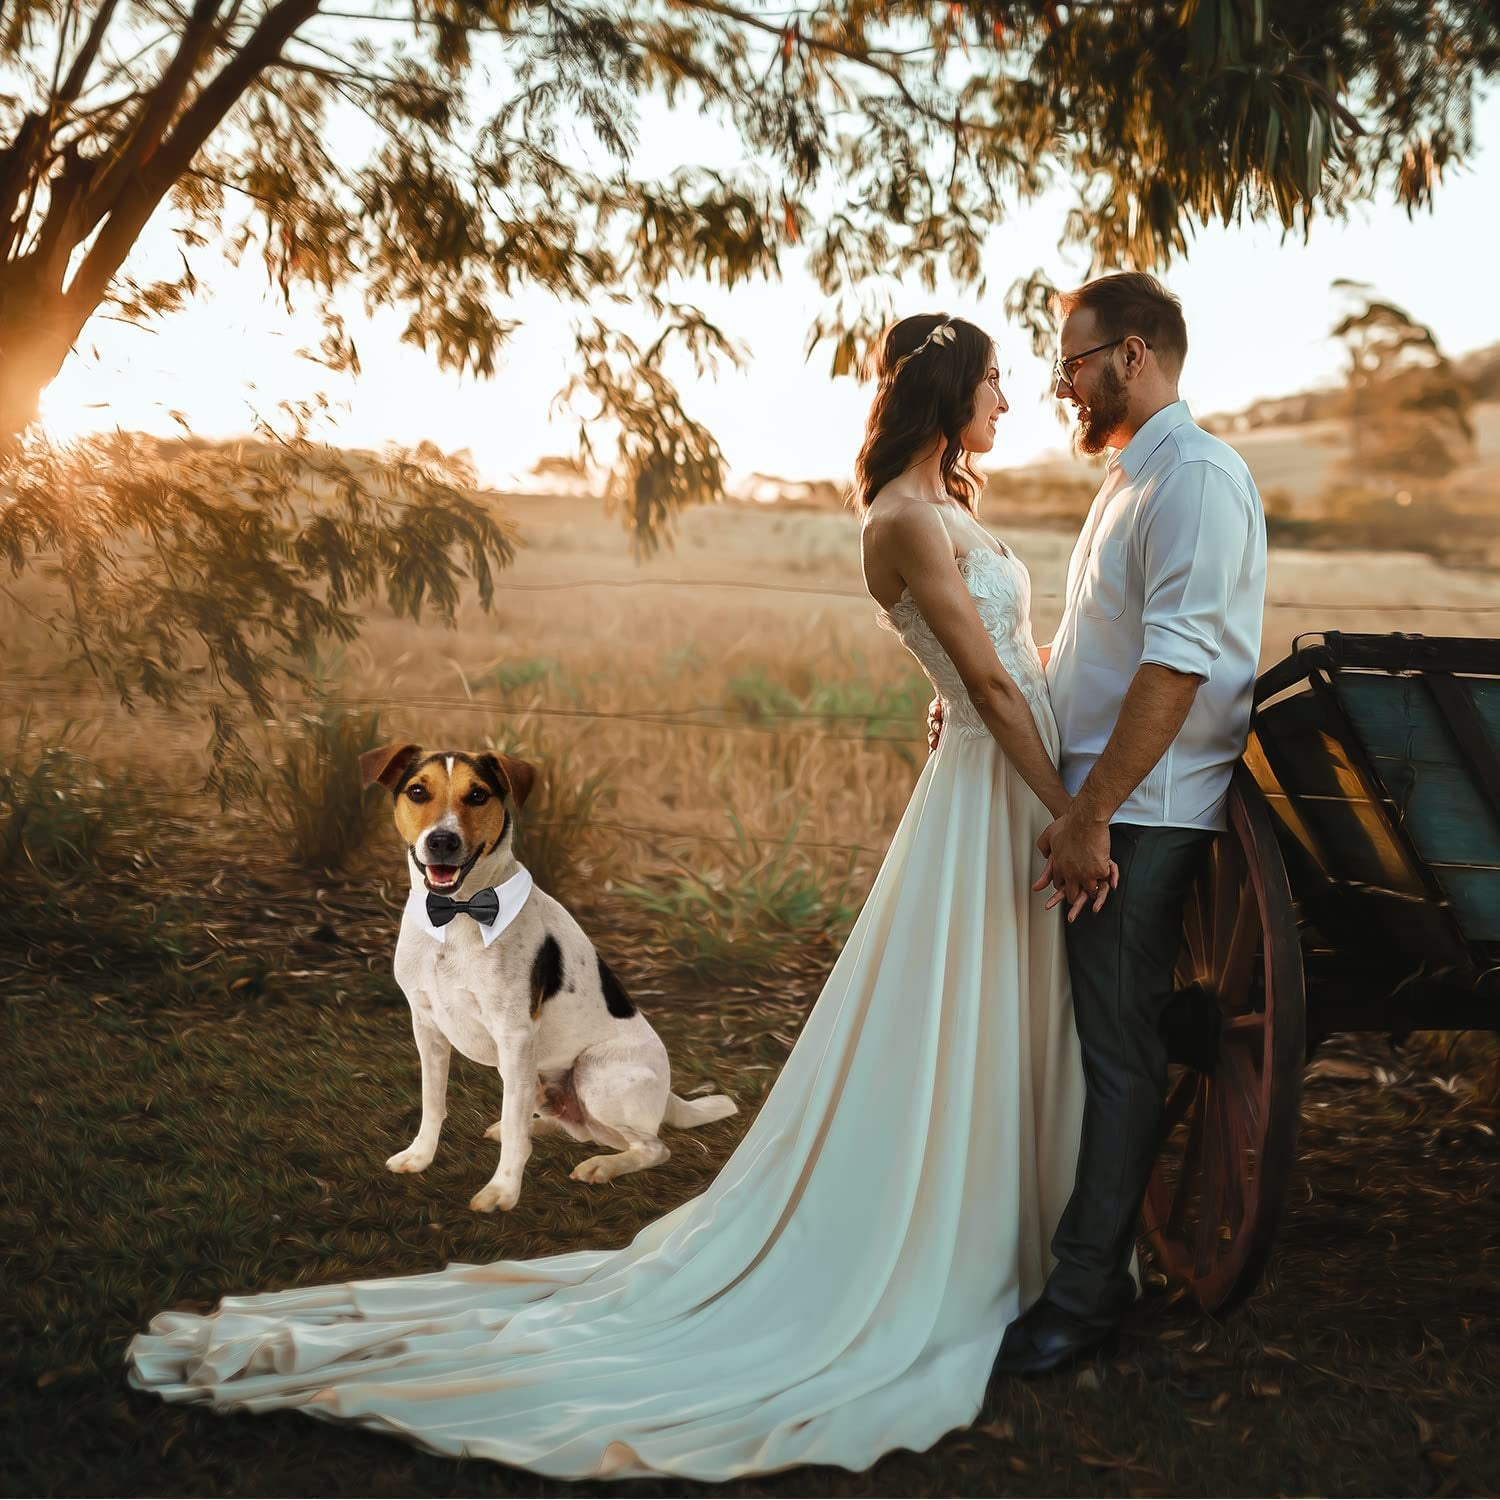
(1133, 303)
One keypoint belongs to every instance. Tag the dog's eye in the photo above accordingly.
(478, 796)
(417, 793)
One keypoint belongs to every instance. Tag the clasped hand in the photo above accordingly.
(1078, 864)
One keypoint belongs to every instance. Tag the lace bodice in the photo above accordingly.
(1001, 590)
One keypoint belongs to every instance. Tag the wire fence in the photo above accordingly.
(684, 720)
(1382, 607)
(691, 719)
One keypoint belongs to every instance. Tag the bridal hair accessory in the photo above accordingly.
(943, 334)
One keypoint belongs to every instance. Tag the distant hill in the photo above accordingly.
(1481, 368)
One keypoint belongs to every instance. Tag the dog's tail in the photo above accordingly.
(684, 1113)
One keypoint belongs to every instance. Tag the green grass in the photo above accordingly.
(73, 860)
(508, 676)
(745, 907)
(164, 1158)
(853, 702)
(312, 794)
(53, 801)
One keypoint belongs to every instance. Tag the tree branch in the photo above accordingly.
(73, 84)
(164, 101)
(139, 200)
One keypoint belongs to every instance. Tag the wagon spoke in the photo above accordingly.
(1248, 1026)
(1239, 949)
(1246, 1082)
(1211, 1193)
(1236, 1167)
(1178, 1100)
(1233, 1158)
(1194, 936)
(1192, 1159)
(1230, 888)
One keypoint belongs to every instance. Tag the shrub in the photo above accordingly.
(740, 916)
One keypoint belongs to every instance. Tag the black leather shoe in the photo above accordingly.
(1047, 1337)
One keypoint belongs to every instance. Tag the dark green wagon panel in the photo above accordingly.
(1379, 757)
(1428, 779)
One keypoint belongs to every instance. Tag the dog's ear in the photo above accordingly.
(518, 775)
(386, 764)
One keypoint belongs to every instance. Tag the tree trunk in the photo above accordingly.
(36, 333)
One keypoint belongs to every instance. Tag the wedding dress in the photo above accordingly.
(841, 1288)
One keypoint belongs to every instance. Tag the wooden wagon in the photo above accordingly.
(1357, 889)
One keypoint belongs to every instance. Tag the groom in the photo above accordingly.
(1150, 675)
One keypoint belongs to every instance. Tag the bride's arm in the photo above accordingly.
(923, 555)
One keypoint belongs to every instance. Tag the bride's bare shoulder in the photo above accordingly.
(894, 519)
(896, 527)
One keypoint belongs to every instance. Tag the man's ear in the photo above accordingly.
(387, 765)
(517, 776)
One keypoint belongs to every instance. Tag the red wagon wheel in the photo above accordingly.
(1237, 1033)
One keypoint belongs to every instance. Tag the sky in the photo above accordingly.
(1258, 305)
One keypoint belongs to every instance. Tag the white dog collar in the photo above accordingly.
(512, 896)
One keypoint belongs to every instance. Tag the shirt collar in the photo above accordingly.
(512, 894)
(1152, 434)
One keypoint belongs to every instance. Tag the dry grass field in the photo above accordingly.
(210, 1059)
(736, 677)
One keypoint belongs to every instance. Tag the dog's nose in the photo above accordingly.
(443, 844)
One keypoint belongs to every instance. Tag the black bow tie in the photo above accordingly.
(483, 906)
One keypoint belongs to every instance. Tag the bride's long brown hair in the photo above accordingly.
(926, 390)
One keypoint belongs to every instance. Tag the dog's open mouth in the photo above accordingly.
(439, 877)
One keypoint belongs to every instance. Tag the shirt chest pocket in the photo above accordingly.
(1106, 579)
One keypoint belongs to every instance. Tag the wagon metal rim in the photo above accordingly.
(1229, 1130)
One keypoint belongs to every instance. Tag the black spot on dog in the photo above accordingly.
(415, 764)
(546, 973)
(620, 1004)
(483, 766)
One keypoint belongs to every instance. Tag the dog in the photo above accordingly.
(524, 992)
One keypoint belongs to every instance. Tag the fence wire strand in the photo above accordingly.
(681, 719)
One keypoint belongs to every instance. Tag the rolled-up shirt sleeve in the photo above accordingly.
(1193, 538)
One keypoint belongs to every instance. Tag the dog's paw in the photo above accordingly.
(412, 1159)
(595, 1169)
(492, 1196)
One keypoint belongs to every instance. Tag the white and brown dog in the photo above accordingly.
(497, 968)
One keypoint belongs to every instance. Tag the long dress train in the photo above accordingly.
(841, 1288)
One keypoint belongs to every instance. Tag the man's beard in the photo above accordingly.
(1102, 416)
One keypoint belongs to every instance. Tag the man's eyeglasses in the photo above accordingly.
(1062, 369)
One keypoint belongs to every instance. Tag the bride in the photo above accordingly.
(841, 1288)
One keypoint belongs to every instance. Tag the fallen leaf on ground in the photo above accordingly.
(1264, 1388)
(1220, 1402)
(1107, 1461)
(1437, 1456)
(1338, 1067)
(1001, 1431)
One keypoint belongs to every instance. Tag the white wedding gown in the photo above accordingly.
(841, 1288)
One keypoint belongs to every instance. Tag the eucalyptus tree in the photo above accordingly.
(1408, 404)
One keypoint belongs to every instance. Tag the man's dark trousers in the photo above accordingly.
(1121, 961)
